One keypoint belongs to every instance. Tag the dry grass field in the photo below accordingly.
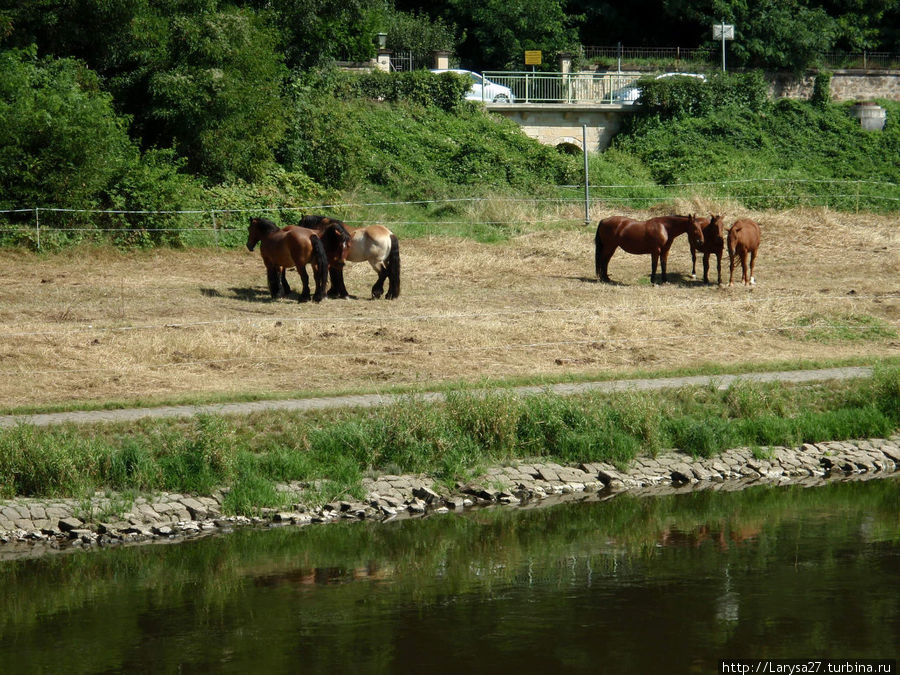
(97, 325)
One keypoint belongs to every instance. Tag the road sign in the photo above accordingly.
(533, 57)
(723, 31)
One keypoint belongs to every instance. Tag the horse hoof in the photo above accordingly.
(304, 298)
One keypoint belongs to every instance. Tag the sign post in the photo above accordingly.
(532, 58)
(723, 31)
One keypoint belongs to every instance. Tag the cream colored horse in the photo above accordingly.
(374, 244)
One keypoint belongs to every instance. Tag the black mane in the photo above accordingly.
(265, 225)
(321, 222)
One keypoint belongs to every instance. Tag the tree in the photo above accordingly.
(418, 33)
(315, 32)
(209, 85)
(497, 32)
(61, 142)
(768, 33)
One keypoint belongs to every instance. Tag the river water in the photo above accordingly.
(668, 584)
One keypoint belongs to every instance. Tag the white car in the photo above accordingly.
(483, 89)
(630, 95)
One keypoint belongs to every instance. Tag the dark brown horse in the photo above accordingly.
(374, 244)
(713, 243)
(654, 237)
(743, 240)
(290, 247)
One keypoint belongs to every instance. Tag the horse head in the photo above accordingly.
(718, 225)
(252, 233)
(258, 229)
(695, 230)
(337, 240)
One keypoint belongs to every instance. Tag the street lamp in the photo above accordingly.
(382, 40)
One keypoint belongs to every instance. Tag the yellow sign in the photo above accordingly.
(533, 57)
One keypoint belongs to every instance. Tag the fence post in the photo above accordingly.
(587, 199)
(37, 227)
(212, 214)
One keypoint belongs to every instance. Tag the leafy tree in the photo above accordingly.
(418, 33)
(498, 32)
(61, 142)
(769, 33)
(209, 85)
(316, 32)
(860, 23)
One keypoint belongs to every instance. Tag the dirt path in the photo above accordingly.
(372, 400)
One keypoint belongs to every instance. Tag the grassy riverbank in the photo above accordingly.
(449, 441)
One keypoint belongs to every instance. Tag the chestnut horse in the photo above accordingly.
(374, 244)
(743, 240)
(291, 247)
(654, 236)
(713, 243)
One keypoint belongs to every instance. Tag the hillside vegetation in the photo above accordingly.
(412, 137)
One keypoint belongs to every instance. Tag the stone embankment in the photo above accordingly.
(34, 527)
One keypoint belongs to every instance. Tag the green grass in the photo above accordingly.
(848, 328)
(450, 441)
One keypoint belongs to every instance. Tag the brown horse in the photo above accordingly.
(713, 243)
(374, 244)
(743, 240)
(654, 236)
(291, 247)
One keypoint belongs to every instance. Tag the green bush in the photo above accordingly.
(61, 141)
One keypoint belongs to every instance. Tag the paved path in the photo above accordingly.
(372, 400)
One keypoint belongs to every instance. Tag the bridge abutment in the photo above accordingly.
(560, 124)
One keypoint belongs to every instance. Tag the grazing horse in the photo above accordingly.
(654, 236)
(374, 244)
(713, 243)
(743, 239)
(291, 247)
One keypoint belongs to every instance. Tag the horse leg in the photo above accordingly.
(338, 289)
(606, 256)
(285, 286)
(654, 258)
(744, 276)
(731, 255)
(694, 262)
(719, 267)
(705, 268)
(663, 261)
(378, 288)
(752, 266)
(274, 277)
(304, 277)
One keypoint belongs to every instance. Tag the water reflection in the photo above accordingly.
(626, 585)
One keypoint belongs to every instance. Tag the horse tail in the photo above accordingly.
(598, 251)
(393, 267)
(321, 262)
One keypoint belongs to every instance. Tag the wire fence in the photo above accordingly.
(49, 227)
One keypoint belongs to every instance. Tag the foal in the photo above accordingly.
(743, 240)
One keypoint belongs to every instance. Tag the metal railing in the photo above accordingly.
(528, 87)
(678, 56)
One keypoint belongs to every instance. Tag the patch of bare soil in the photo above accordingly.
(97, 324)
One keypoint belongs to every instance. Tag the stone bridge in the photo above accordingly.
(560, 124)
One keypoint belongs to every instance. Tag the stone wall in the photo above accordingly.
(846, 85)
(31, 527)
